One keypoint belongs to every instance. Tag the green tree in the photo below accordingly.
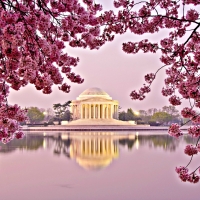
(35, 115)
(142, 112)
(67, 116)
(171, 110)
(143, 115)
(130, 114)
(122, 116)
(161, 117)
(175, 116)
(60, 109)
(49, 114)
(151, 111)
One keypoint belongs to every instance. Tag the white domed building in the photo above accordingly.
(95, 107)
(94, 103)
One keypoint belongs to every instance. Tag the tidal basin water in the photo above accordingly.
(100, 166)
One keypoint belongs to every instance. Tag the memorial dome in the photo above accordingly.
(93, 92)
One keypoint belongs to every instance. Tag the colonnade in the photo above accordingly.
(99, 111)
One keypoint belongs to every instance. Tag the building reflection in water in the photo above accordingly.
(94, 152)
(137, 143)
(91, 150)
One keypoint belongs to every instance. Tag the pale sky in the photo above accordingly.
(110, 69)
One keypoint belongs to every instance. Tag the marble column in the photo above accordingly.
(90, 110)
(77, 113)
(74, 112)
(116, 111)
(73, 109)
(94, 111)
(86, 111)
(107, 111)
(111, 111)
(102, 111)
(81, 111)
(98, 111)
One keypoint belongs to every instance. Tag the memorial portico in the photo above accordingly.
(94, 103)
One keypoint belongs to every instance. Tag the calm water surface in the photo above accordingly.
(60, 166)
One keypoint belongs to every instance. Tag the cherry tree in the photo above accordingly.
(180, 55)
(34, 34)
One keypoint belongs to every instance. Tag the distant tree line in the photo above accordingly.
(35, 115)
(128, 116)
(153, 116)
(60, 112)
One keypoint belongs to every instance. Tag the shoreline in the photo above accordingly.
(99, 128)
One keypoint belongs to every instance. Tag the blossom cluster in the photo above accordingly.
(149, 78)
(190, 150)
(9, 122)
(33, 38)
(174, 100)
(181, 58)
(194, 131)
(140, 95)
(184, 175)
(188, 112)
(143, 45)
(174, 130)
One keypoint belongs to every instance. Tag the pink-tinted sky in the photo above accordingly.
(109, 69)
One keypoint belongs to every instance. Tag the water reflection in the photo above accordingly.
(92, 150)
(165, 142)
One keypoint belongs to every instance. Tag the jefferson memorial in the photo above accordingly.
(94, 103)
(95, 107)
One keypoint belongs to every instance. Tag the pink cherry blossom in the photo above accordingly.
(174, 100)
(193, 178)
(149, 78)
(194, 131)
(174, 130)
(31, 43)
(190, 150)
(192, 15)
(188, 112)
